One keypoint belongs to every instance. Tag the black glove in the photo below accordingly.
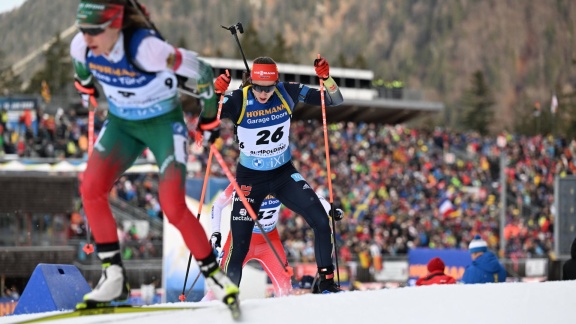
(88, 93)
(216, 240)
(184, 87)
(338, 214)
(210, 129)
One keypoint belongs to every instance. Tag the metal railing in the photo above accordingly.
(124, 211)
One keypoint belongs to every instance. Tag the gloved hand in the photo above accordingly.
(216, 240)
(322, 68)
(222, 82)
(187, 86)
(88, 93)
(338, 214)
(210, 130)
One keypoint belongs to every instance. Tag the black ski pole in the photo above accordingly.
(332, 215)
(182, 297)
(193, 283)
(150, 24)
(218, 259)
(238, 27)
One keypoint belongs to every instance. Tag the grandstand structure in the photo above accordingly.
(362, 102)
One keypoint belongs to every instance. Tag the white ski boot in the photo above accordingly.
(221, 286)
(112, 286)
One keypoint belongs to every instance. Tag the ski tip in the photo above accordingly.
(236, 313)
(91, 304)
(233, 304)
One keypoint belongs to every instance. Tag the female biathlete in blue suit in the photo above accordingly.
(262, 111)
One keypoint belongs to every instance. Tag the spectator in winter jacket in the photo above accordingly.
(436, 275)
(569, 268)
(485, 267)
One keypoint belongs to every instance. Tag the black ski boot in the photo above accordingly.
(327, 284)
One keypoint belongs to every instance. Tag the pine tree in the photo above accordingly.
(477, 105)
(341, 61)
(252, 46)
(360, 62)
(57, 70)
(9, 82)
(281, 52)
(182, 42)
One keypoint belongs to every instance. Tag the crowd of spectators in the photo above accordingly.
(139, 190)
(11, 292)
(389, 180)
(63, 134)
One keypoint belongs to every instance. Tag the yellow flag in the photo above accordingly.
(46, 92)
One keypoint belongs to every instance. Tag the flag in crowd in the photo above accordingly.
(46, 92)
(554, 104)
(446, 207)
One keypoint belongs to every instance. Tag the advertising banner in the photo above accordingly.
(7, 306)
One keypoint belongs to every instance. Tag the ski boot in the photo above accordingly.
(112, 286)
(327, 284)
(221, 286)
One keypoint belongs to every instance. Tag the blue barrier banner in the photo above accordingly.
(455, 260)
(213, 188)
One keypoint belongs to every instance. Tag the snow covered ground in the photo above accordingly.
(539, 302)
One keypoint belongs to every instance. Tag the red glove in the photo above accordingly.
(222, 82)
(322, 68)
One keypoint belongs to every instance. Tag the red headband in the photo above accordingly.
(264, 72)
(115, 12)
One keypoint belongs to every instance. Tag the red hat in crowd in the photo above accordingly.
(436, 264)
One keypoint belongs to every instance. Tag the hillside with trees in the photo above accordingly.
(519, 53)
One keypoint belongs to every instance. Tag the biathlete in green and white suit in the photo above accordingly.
(138, 73)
